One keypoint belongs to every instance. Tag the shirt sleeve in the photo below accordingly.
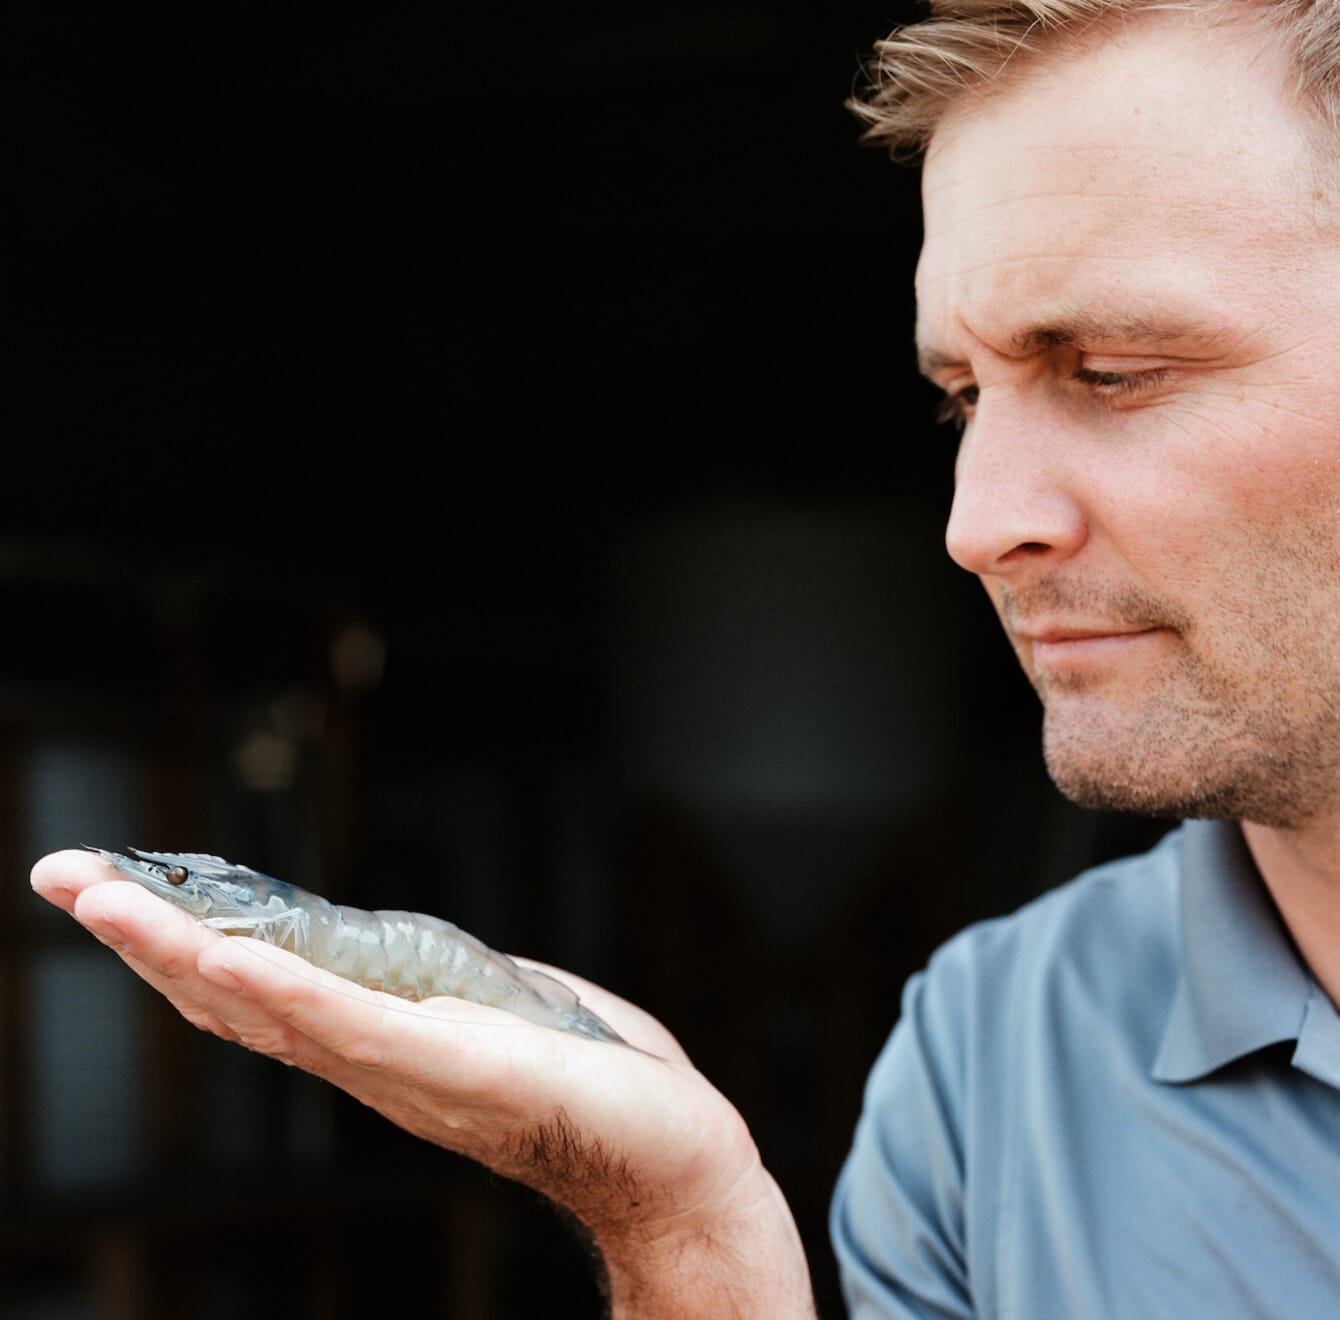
(898, 1214)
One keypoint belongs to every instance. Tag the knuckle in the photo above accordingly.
(204, 1020)
(365, 1051)
(272, 1041)
(288, 1005)
(175, 966)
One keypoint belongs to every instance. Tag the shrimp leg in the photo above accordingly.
(284, 929)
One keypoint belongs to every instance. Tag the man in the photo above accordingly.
(1125, 1100)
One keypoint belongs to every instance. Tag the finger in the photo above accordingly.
(164, 946)
(459, 1074)
(370, 1029)
(160, 944)
(134, 922)
(266, 999)
(60, 877)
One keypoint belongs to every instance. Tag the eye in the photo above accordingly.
(956, 407)
(176, 875)
(1120, 384)
(1110, 380)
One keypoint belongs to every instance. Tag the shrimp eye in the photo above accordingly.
(176, 875)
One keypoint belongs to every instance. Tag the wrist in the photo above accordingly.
(741, 1258)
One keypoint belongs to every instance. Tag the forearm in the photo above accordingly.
(745, 1265)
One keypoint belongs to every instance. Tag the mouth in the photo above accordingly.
(1062, 647)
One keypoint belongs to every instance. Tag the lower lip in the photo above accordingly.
(1103, 648)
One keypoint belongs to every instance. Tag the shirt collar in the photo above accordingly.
(1241, 986)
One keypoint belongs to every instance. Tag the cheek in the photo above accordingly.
(1264, 580)
(1293, 502)
(1207, 496)
(1264, 454)
(1160, 521)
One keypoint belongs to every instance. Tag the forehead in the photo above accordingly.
(1160, 169)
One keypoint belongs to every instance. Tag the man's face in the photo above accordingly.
(1131, 287)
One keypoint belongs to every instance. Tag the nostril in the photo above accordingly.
(1023, 551)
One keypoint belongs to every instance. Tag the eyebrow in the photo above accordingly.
(1085, 329)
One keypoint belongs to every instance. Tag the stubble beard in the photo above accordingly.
(1175, 764)
(1194, 744)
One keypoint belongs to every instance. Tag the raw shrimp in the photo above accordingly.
(402, 953)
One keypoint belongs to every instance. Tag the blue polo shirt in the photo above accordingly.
(1121, 1101)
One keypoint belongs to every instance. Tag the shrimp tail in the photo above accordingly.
(575, 1015)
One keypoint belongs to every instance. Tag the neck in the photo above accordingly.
(1301, 869)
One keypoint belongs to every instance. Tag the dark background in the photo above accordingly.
(471, 461)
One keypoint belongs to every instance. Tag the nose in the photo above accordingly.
(1015, 504)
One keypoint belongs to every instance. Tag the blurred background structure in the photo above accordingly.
(471, 462)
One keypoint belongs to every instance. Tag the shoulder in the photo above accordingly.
(1095, 922)
(1036, 1013)
(1102, 949)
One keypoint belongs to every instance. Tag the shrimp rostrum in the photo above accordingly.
(402, 953)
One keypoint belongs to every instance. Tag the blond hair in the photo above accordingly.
(973, 46)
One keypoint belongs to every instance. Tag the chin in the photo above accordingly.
(1191, 756)
(1148, 789)
(1101, 794)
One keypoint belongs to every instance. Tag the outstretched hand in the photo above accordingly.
(634, 1142)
